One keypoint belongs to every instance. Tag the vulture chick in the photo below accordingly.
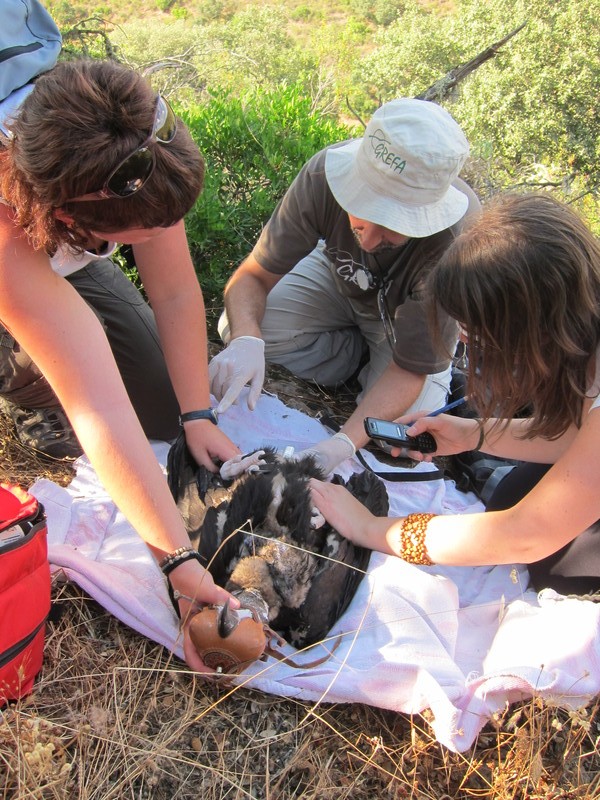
(261, 538)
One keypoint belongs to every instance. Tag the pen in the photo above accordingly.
(447, 407)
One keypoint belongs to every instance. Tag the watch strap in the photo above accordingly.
(204, 413)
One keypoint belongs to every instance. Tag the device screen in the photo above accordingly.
(394, 433)
(384, 429)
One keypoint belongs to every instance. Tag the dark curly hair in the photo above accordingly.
(523, 279)
(81, 119)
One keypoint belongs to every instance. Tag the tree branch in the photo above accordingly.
(443, 86)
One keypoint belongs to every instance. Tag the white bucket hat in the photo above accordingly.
(400, 173)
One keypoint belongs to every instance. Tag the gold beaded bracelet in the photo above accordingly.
(412, 539)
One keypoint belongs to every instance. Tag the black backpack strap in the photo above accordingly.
(489, 487)
(477, 472)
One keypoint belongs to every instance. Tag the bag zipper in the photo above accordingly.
(30, 529)
(14, 650)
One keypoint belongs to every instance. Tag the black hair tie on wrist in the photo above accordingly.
(168, 564)
(481, 435)
(176, 560)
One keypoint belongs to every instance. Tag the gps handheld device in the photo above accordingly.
(394, 433)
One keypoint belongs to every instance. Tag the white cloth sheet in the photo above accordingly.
(460, 641)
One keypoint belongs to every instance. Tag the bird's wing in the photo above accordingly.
(341, 569)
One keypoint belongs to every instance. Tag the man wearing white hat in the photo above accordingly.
(339, 269)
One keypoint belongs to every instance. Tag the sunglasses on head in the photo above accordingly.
(133, 171)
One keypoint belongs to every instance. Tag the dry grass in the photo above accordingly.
(114, 716)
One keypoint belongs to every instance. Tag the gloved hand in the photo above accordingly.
(241, 362)
(331, 452)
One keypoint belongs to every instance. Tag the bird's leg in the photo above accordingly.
(249, 462)
(238, 465)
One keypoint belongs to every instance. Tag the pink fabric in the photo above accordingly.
(460, 641)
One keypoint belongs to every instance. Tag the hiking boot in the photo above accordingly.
(45, 430)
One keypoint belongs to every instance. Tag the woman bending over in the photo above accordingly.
(523, 280)
(93, 156)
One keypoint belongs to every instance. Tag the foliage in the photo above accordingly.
(380, 12)
(88, 38)
(254, 145)
(530, 112)
(534, 109)
(250, 48)
(408, 56)
(66, 12)
(211, 11)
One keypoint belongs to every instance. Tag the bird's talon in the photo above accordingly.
(317, 520)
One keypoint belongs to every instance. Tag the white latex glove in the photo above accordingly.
(241, 362)
(331, 452)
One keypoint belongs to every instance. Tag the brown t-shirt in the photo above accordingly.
(309, 213)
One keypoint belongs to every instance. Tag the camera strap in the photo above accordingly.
(396, 477)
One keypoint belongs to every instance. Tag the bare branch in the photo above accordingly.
(443, 86)
(355, 113)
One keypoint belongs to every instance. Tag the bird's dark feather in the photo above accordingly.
(305, 594)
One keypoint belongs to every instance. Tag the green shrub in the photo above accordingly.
(212, 11)
(248, 49)
(254, 145)
(381, 12)
(65, 12)
(303, 12)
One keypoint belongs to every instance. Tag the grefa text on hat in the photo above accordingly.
(380, 146)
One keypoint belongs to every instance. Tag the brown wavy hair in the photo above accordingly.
(523, 279)
(81, 119)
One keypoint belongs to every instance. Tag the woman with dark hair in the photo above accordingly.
(92, 157)
(523, 280)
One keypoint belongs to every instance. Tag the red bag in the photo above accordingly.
(24, 591)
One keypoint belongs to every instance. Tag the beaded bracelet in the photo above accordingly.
(168, 564)
(177, 557)
(412, 539)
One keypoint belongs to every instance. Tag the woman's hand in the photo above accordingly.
(343, 512)
(197, 588)
(208, 444)
(452, 434)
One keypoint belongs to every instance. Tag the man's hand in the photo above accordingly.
(241, 362)
(330, 453)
